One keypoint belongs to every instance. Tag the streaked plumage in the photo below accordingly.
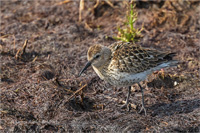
(123, 64)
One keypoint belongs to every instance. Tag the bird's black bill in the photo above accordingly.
(86, 66)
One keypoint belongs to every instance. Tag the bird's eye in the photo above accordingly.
(97, 56)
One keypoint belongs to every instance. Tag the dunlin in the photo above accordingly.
(123, 64)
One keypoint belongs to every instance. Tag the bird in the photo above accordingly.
(123, 64)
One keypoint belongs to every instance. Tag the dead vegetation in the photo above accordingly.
(43, 46)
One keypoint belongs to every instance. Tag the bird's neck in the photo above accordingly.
(101, 70)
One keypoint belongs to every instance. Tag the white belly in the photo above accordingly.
(123, 79)
(126, 79)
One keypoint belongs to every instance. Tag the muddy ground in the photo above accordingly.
(38, 81)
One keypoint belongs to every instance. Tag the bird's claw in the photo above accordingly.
(126, 106)
(143, 109)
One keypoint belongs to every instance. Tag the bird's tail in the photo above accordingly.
(167, 60)
(171, 62)
(169, 56)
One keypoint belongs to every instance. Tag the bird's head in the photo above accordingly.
(97, 56)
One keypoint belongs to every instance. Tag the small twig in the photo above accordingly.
(22, 51)
(81, 7)
(57, 84)
(63, 2)
(97, 3)
(34, 59)
(76, 92)
(24, 47)
(88, 27)
(123, 102)
(109, 3)
(17, 54)
(5, 36)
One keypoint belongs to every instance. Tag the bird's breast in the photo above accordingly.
(121, 79)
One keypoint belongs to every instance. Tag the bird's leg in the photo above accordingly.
(143, 107)
(127, 99)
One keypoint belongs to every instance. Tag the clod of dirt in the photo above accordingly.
(84, 104)
(47, 75)
(166, 81)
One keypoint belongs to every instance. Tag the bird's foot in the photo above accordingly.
(126, 105)
(143, 109)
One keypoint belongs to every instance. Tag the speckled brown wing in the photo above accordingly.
(131, 58)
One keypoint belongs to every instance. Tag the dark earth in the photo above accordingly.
(44, 46)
